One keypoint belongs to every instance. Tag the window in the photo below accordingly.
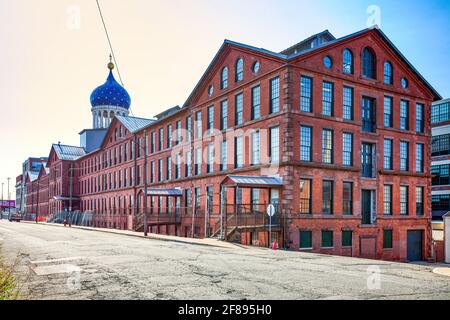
(198, 124)
(224, 115)
(256, 66)
(347, 198)
(327, 197)
(441, 202)
(368, 160)
(239, 152)
(347, 238)
(404, 115)
(224, 156)
(387, 154)
(305, 240)
(161, 139)
(404, 83)
(152, 147)
(255, 200)
(305, 196)
(327, 239)
(403, 200)
(305, 94)
(368, 64)
(188, 168)
(274, 147)
(347, 149)
(197, 192)
(275, 95)
(388, 73)
(189, 128)
(210, 122)
(255, 148)
(305, 143)
(169, 136)
(327, 146)
(441, 176)
(168, 168)
(327, 98)
(347, 65)
(239, 70)
(440, 112)
(348, 103)
(419, 201)
(198, 161)
(368, 114)
(419, 117)
(210, 158)
(179, 131)
(419, 157)
(387, 199)
(224, 78)
(239, 111)
(388, 103)
(404, 156)
(327, 62)
(387, 239)
(160, 170)
(152, 172)
(440, 145)
(256, 103)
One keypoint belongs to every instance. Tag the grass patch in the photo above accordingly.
(9, 288)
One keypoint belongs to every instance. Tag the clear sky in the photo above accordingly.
(54, 53)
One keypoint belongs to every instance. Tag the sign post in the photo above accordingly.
(270, 212)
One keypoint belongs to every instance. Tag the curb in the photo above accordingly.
(150, 237)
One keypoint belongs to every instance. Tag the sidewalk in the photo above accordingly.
(202, 242)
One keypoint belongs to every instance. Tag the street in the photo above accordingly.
(69, 263)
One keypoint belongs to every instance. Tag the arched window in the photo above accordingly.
(368, 64)
(347, 65)
(239, 69)
(224, 78)
(388, 73)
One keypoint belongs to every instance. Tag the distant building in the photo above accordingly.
(440, 158)
(31, 165)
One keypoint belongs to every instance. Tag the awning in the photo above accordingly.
(252, 181)
(62, 198)
(174, 192)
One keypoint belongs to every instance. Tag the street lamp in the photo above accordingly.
(9, 204)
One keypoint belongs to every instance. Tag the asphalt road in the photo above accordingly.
(63, 263)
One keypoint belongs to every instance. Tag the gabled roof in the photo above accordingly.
(134, 124)
(44, 171)
(32, 175)
(68, 153)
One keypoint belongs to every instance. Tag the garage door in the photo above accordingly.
(415, 245)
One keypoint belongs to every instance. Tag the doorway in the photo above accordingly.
(415, 245)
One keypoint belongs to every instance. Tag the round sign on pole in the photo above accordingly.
(270, 210)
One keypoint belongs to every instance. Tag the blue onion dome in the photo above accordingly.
(111, 93)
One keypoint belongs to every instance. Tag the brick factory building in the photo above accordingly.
(335, 133)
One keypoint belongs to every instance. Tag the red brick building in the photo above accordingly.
(335, 133)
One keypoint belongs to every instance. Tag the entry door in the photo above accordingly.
(366, 206)
(415, 245)
(274, 198)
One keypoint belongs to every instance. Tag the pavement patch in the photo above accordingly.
(56, 269)
(442, 271)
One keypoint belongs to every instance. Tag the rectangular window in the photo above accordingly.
(440, 175)
(188, 165)
(419, 117)
(161, 139)
(224, 115)
(419, 201)
(440, 112)
(179, 131)
(256, 102)
(327, 197)
(440, 145)
(210, 124)
(404, 156)
(347, 149)
(348, 103)
(403, 200)
(419, 157)
(153, 145)
(188, 198)
(160, 170)
(327, 239)
(305, 240)
(239, 152)
(387, 199)
(347, 198)
(441, 202)
(305, 196)
(305, 143)
(198, 125)
(388, 105)
(327, 146)
(404, 115)
(306, 94)
(255, 148)
(347, 238)
(368, 117)
(169, 136)
(274, 147)
(189, 128)
(169, 168)
(239, 111)
(327, 98)
(152, 171)
(224, 156)
(387, 239)
(255, 200)
(210, 158)
(198, 161)
(387, 154)
(275, 95)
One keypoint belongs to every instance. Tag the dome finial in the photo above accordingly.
(110, 64)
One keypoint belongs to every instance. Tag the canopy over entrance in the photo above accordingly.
(174, 192)
(252, 182)
(62, 198)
